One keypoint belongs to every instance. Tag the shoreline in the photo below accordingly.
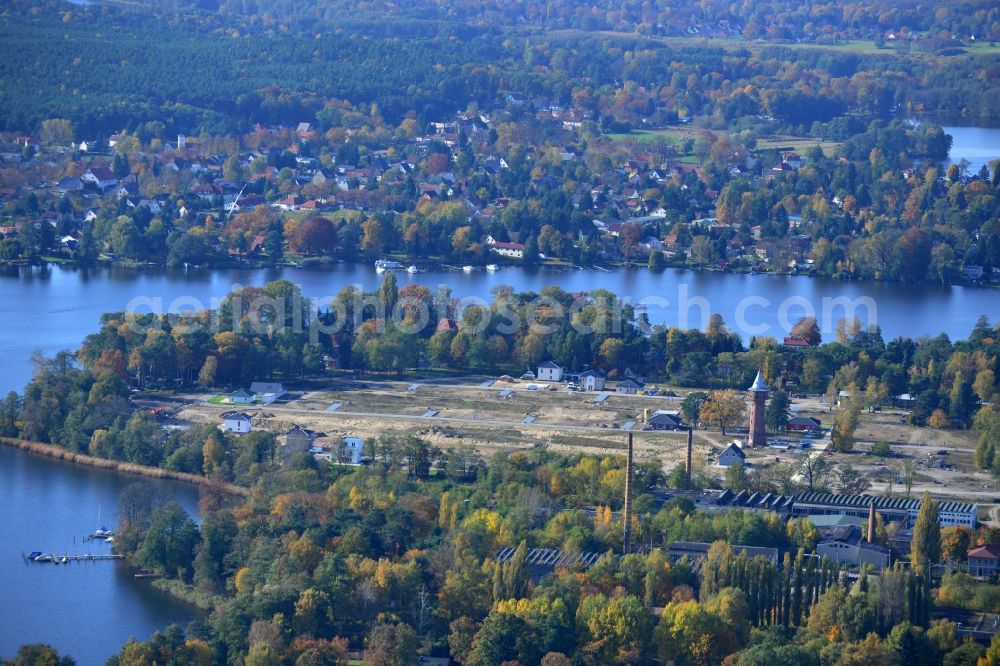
(606, 266)
(58, 453)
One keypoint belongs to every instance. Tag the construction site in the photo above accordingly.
(495, 415)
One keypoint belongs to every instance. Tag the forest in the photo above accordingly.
(107, 67)
(395, 560)
(780, 19)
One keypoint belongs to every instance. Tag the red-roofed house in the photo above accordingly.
(256, 244)
(984, 560)
(102, 177)
(512, 250)
(795, 342)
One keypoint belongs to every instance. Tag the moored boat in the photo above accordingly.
(383, 265)
(492, 268)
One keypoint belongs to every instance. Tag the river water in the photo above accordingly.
(55, 307)
(87, 610)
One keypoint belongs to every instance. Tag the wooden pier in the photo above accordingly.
(52, 558)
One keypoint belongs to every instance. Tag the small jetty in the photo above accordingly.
(52, 558)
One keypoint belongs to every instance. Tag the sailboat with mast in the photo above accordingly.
(101, 532)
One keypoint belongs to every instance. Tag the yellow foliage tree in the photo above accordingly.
(242, 579)
(357, 501)
(939, 420)
(214, 455)
(724, 408)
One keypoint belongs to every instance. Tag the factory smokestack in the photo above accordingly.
(627, 541)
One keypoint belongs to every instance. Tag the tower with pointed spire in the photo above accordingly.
(758, 396)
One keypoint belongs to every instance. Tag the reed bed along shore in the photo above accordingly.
(59, 453)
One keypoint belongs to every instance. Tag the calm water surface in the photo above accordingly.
(978, 145)
(87, 610)
(55, 307)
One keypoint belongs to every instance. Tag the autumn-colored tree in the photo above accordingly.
(808, 328)
(688, 633)
(845, 422)
(462, 241)
(213, 454)
(611, 353)
(57, 131)
(315, 236)
(956, 541)
(724, 408)
(207, 374)
(984, 384)
(254, 221)
(373, 236)
(939, 420)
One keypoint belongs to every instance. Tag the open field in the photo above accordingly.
(564, 421)
(676, 135)
(855, 46)
(799, 144)
(450, 412)
(673, 135)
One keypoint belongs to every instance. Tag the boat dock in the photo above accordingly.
(66, 558)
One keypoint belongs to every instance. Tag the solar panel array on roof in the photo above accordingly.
(881, 503)
(550, 557)
(768, 501)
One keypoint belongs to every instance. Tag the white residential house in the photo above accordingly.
(733, 455)
(550, 371)
(593, 380)
(268, 392)
(351, 450)
(241, 397)
(509, 250)
(237, 422)
(512, 250)
(102, 177)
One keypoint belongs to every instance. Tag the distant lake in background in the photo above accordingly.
(87, 610)
(978, 145)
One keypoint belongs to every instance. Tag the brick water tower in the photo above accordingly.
(758, 396)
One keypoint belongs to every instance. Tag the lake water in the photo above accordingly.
(87, 610)
(55, 307)
(978, 145)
